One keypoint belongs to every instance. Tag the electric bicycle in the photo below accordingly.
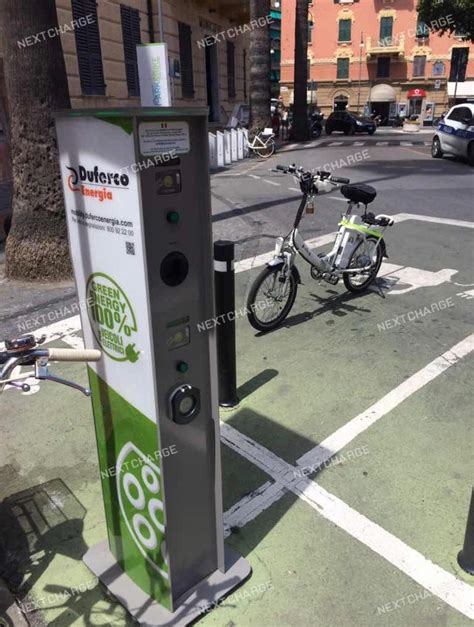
(356, 256)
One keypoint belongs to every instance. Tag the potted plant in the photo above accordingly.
(412, 124)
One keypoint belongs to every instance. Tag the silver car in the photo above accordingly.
(455, 133)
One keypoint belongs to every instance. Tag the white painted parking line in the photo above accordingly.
(294, 189)
(343, 436)
(339, 198)
(406, 143)
(439, 582)
(447, 221)
(271, 182)
(332, 144)
(359, 143)
(427, 143)
(381, 143)
(254, 176)
(57, 330)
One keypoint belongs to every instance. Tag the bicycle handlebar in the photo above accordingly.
(322, 174)
(72, 354)
(27, 351)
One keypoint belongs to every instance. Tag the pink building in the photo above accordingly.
(377, 55)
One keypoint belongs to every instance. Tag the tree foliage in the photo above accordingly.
(448, 16)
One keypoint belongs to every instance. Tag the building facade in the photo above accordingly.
(376, 56)
(207, 46)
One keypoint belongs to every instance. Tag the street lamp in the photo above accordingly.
(361, 47)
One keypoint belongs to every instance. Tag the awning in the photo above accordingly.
(382, 93)
(416, 93)
(464, 90)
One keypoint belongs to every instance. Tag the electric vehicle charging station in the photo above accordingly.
(137, 198)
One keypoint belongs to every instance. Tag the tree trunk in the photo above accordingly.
(299, 129)
(260, 85)
(36, 85)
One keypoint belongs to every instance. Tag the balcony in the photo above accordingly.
(390, 46)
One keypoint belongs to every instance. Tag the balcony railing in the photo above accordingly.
(390, 45)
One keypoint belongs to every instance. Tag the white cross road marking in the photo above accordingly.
(381, 143)
(359, 143)
(271, 182)
(444, 585)
(414, 278)
(469, 294)
(331, 144)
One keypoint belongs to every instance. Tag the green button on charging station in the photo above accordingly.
(182, 367)
(172, 217)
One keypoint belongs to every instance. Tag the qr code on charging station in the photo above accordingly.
(130, 248)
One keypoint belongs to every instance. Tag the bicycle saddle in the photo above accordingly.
(359, 192)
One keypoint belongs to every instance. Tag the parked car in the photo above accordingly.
(455, 133)
(349, 123)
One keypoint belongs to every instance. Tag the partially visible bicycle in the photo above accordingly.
(27, 351)
(263, 143)
(356, 256)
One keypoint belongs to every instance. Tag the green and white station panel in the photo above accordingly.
(137, 197)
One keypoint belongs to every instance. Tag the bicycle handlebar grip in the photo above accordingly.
(340, 179)
(73, 354)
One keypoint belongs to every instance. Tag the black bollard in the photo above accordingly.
(224, 281)
(466, 556)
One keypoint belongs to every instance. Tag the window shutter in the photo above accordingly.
(89, 54)
(186, 60)
(131, 37)
(343, 68)
(345, 30)
(231, 69)
(459, 59)
(419, 63)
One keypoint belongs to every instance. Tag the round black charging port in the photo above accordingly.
(174, 269)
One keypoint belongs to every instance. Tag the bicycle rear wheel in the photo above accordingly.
(271, 298)
(366, 253)
(265, 151)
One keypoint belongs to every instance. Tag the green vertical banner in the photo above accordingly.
(105, 225)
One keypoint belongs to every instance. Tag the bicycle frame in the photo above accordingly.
(263, 144)
(351, 232)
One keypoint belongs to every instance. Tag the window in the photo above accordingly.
(343, 67)
(245, 74)
(386, 29)
(131, 37)
(383, 67)
(422, 30)
(230, 69)
(419, 63)
(89, 54)
(459, 58)
(438, 68)
(310, 31)
(345, 30)
(186, 60)
(459, 113)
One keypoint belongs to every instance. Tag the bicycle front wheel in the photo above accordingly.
(266, 151)
(271, 298)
